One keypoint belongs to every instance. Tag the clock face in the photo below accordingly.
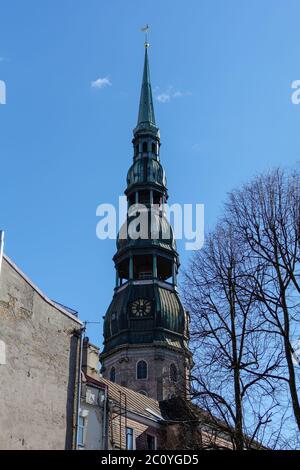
(141, 308)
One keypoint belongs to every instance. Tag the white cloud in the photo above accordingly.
(170, 94)
(177, 94)
(163, 97)
(101, 83)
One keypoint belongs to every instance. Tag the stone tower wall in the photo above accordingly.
(158, 384)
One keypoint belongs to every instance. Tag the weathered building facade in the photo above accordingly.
(111, 416)
(93, 412)
(134, 419)
(146, 327)
(93, 415)
(38, 368)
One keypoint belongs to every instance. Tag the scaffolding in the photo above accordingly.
(120, 414)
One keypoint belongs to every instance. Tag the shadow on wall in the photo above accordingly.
(146, 441)
(70, 406)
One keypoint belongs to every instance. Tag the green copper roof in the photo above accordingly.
(166, 325)
(146, 110)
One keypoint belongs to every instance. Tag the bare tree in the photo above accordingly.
(233, 365)
(265, 215)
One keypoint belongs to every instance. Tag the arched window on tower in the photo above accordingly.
(154, 149)
(142, 370)
(173, 373)
(131, 199)
(145, 147)
(157, 198)
(112, 375)
(143, 267)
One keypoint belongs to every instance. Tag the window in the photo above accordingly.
(145, 147)
(80, 437)
(129, 439)
(131, 199)
(150, 442)
(112, 376)
(141, 370)
(173, 373)
(153, 148)
(157, 198)
(144, 197)
(114, 323)
(142, 264)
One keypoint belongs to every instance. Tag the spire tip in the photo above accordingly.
(146, 118)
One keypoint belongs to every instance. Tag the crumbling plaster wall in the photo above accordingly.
(38, 373)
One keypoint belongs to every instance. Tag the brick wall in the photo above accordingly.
(158, 384)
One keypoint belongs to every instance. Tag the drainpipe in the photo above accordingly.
(1, 247)
(81, 337)
(104, 421)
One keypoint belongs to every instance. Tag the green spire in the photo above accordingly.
(146, 117)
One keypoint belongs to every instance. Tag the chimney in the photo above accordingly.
(90, 359)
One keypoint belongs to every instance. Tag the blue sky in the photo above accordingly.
(65, 146)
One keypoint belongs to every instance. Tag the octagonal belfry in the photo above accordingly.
(146, 327)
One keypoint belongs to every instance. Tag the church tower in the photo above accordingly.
(146, 327)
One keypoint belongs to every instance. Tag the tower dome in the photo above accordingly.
(146, 170)
(159, 233)
(165, 324)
